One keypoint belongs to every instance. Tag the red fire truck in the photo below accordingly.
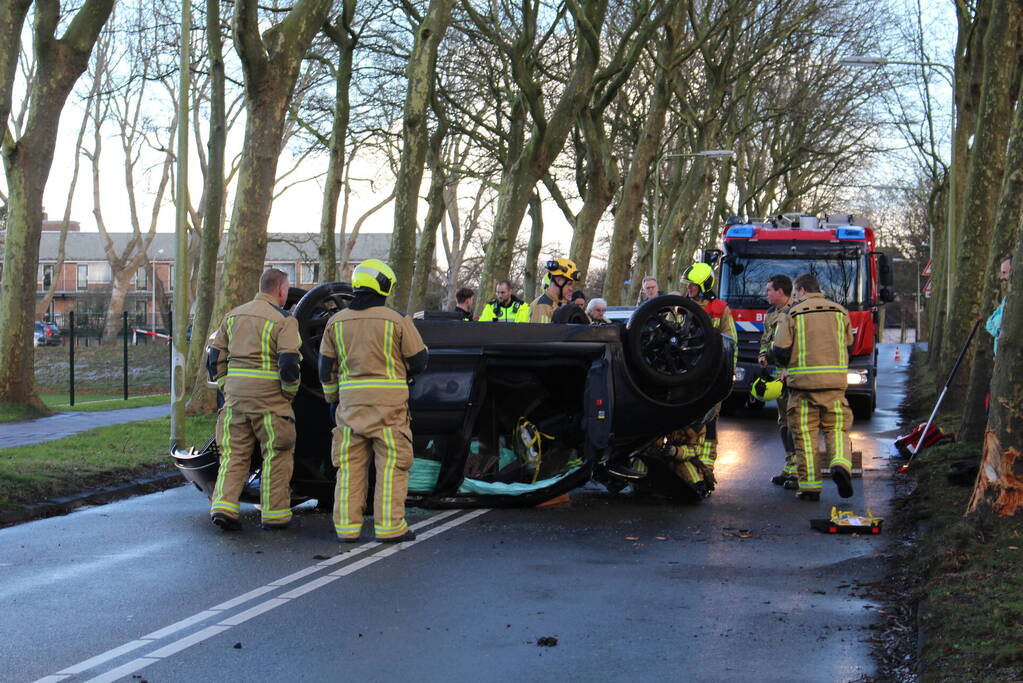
(835, 249)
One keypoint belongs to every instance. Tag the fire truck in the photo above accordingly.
(835, 249)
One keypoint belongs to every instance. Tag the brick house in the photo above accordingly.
(84, 281)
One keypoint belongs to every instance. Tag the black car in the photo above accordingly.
(516, 414)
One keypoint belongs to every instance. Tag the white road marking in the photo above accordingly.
(261, 608)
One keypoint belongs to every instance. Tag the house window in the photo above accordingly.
(99, 272)
(83, 276)
(310, 273)
(288, 268)
(46, 275)
(140, 281)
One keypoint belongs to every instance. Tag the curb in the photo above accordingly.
(61, 506)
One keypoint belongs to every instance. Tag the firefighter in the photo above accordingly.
(367, 355)
(699, 279)
(778, 292)
(813, 341)
(255, 360)
(558, 283)
(506, 307)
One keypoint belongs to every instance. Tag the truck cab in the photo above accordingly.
(836, 250)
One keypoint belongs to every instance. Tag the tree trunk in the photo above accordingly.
(986, 168)
(425, 255)
(271, 69)
(531, 281)
(544, 145)
(1004, 229)
(999, 485)
(202, 399)
(421, 72)
(59, 64)
(602, 179)
(12, 19)
(341, 35)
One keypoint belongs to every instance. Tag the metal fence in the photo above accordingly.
(75, 358)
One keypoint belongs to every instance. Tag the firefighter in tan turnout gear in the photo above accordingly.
(367, 354)
(702, 443)
(559, 282)
(255, 361)
(777, 291)
(813, 341)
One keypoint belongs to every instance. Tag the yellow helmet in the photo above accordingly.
(765, 389)
(374, 274)
(565, 267)
(701, 275)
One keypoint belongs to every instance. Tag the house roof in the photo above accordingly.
(281, 246)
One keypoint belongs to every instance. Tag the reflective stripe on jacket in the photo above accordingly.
(515, 312)
(249, 345)
(369, 348)
(816, 335)
(543, 307)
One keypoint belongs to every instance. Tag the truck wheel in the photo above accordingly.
(670, 341)
(863, 406)
(312, 313)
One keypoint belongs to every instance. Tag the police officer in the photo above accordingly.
(559, 281)
(254, 358)
(367, 354)
(813, 341)
(699, 279)
(778, 291)
(506, 307)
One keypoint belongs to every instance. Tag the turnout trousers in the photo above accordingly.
(383, 433)
(809, 413)
(238, 433)
(789, 470)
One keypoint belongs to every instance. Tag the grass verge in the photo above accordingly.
(964, 574)
(99, 457)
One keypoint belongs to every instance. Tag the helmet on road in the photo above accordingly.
(375, 275)
(765, 389)
(701, 275)
(565, 267)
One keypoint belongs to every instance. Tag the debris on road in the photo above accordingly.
(547, 641)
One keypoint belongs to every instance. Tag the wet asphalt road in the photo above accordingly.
(632, 589)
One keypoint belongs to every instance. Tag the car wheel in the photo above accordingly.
(570, 314)
(670, 341)
(312, 312)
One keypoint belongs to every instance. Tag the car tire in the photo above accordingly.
(672, 353)
(312, 312)
(570, 314)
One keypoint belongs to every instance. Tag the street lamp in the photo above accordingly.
(658, 205)
(916, 297)
(950, 228)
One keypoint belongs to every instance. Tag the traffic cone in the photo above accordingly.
(898, 356)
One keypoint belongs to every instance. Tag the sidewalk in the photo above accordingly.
(65, 424)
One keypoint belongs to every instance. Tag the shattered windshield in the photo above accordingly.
(743, 278)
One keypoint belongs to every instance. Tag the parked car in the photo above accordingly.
(45, 335)
(518, 414)
(54, 331)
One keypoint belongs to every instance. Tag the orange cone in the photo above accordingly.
(898, 357)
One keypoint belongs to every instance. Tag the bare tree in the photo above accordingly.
(271, 61)
(60, 61)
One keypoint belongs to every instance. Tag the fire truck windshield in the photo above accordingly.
(743, 277)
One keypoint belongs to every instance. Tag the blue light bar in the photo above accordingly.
(741, 231)
(850, 233)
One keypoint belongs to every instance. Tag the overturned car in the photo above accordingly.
(517, 414)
